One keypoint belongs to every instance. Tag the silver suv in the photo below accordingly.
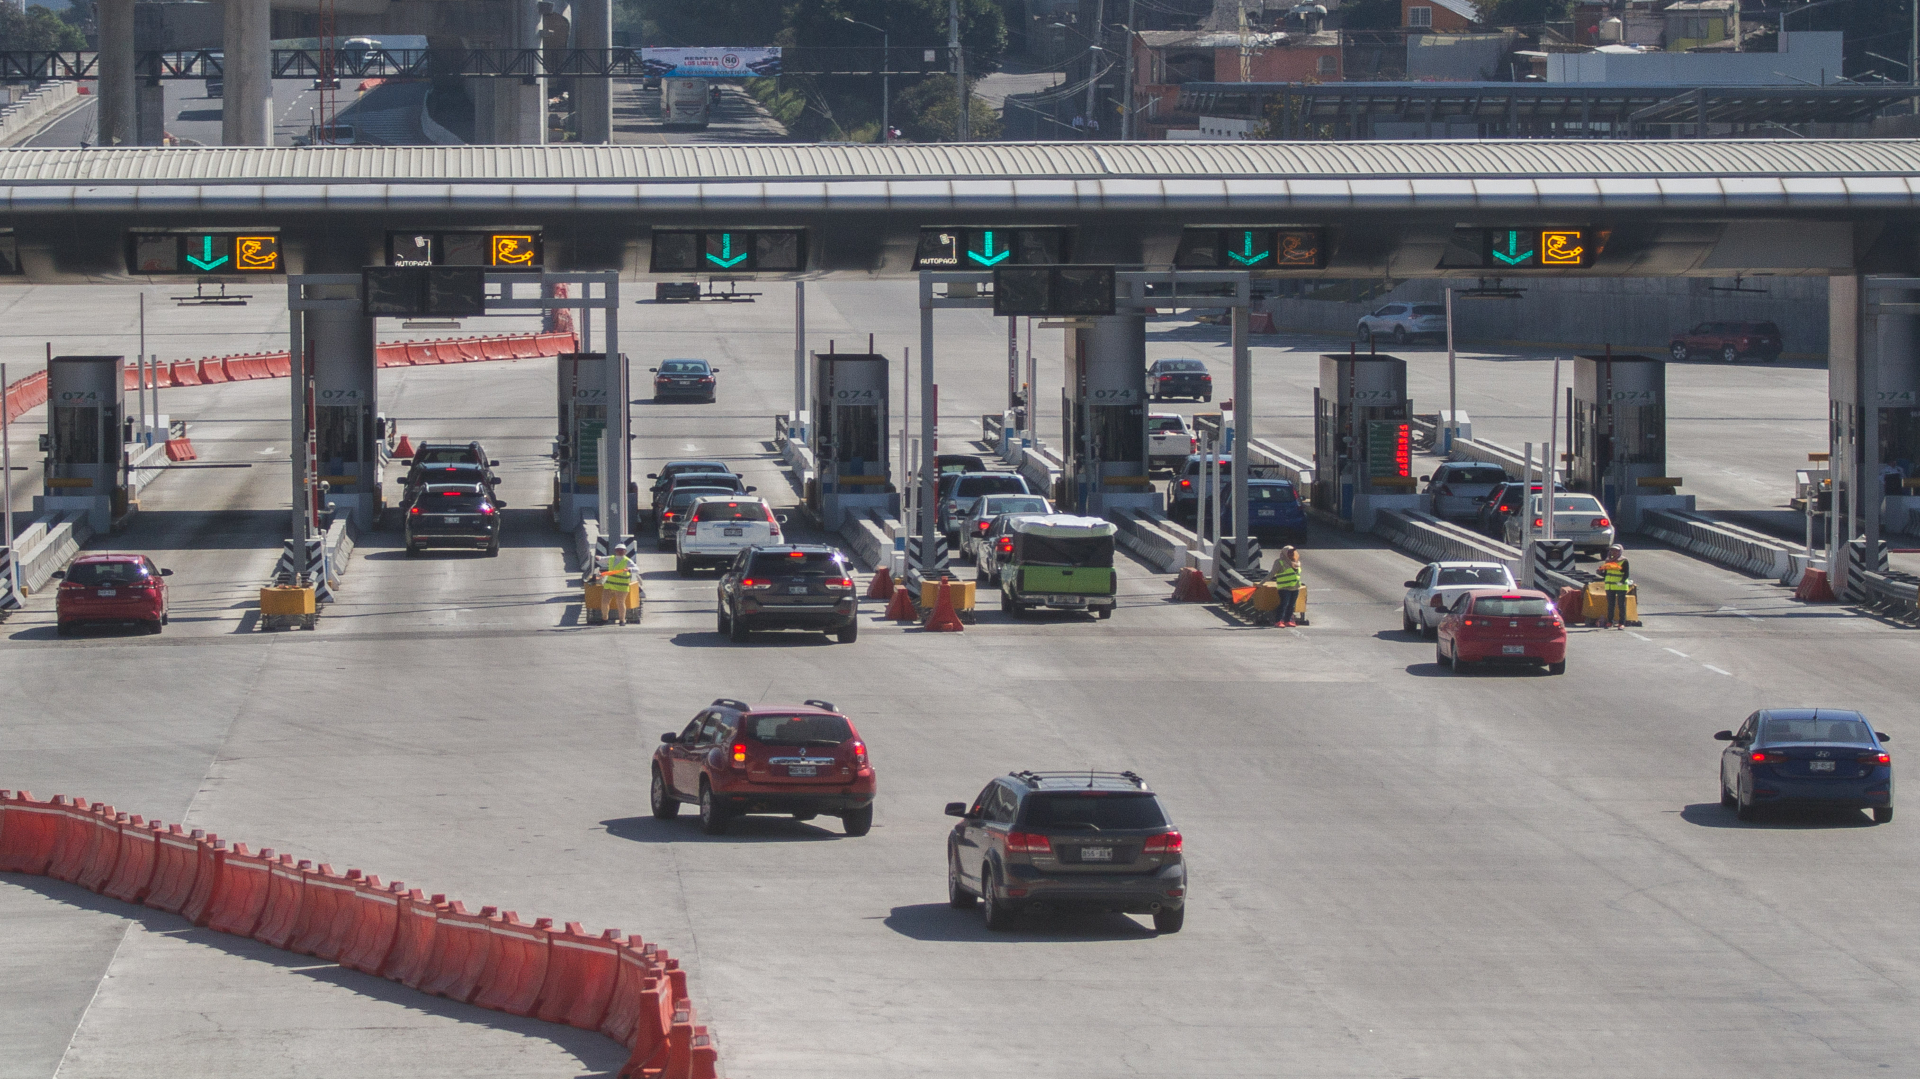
(1403, 322)
(1085, 840)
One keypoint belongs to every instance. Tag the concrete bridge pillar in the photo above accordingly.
(117, 122)
(247, 113)
(513, 111)
(593, 98)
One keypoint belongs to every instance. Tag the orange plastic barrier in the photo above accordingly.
(373, 930)
(462, 944)
(1814, 587)
(1260, 322)
(517, 966)
(636, 967)
(207, 880)
(524, 348)
(469, 349)
(279, 365)
(330, 913)
(286, 901)
(186, 374)
(103, 849)
(176, 858)
(659, 1012)
(881, 586)
(580, 976)
(212, 371)
(390, 356)
(422, 352)
(1191, 587)
(496, 349)
(412, 954)
(243, 892)
(70, 848)
(134, 875)
(181, 449)
(246, 367)
(28, 834)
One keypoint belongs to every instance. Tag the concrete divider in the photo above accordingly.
(868, 540)
(133, 874)
(242, 894)
(516, 967)
(176, 860)
(1723, 544)
(1434, 540)
(1158, 541)
(48, 545)
(24, 118)
(286, 901)
(1283, 462)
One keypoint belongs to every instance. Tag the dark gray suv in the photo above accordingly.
(1086, 840)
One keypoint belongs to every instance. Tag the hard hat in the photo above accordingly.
(620, 548)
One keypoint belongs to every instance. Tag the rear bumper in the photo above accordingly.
(1845, 793)
(682, 391)
(1127, 893)
(833, 798)
(451, 539)
(1061, 601)
(838, 616)
(1537, 652)
(109, 611)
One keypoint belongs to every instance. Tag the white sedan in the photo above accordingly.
(1438, 584)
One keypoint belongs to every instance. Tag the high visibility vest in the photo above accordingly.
(619, 575)
(1615, 574)
(1285, 575)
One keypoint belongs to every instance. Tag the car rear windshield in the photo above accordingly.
(796, 564)
(450, 502)
(1510, 606)
(797, 730)
(1766, 328)
(1020, 504)
(1476, 475)
(1574, 504)
(1813, 730)
(97, 573)
(730, 511)
(1480, 575)
(726, 481)
(683, 367)
(1182, 365)
(1094, 811)
(445, 455)
(973, 486)
(693, 466)
(1168, 423)
(1270, 492)
(684, 497)
(1429, 309)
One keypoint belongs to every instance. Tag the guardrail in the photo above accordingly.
(19, 119)
(1891, 593)
(1723, 544)
(1158, 541)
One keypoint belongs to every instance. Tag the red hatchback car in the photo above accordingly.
(1728, 341)
(1491, 625)
(111, 588)
(734, 758)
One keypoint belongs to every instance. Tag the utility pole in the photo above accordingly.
(1093, 77)
(963, 98)
(1246, 46)
(1126, 121)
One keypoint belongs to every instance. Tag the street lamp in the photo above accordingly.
(886, 129)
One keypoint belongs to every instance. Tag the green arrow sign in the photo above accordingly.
(989, 258)
(206, 261)
(1246, 257)
(1513, 256)
(726, 259)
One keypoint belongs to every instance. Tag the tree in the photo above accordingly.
(37, 29)
(1523, 12)
(928, 111)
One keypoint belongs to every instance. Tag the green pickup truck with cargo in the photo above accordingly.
(1058, 561)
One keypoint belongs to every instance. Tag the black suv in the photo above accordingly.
(452, 515)
(664, 478)
(789, 586)
(463, 472)
(1090, 840)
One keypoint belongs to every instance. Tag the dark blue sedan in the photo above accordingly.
(1273, 511)
(1806, 756)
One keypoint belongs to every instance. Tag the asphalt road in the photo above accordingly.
(1397, 871)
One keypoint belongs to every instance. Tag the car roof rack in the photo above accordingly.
(729, 702)
(1034, 779)
(824, 706)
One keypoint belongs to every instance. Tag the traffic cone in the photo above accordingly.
(882, 584)
(404, 450)
(902, 608)
(945, 619)
(1191, 587)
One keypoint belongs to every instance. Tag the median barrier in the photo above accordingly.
(206, 879)
(242, 894)
(461, 946)
(133, 874)
(525, 348)
(176, 860)
(390, 356)
(279, 365)
(653, 1023)
(516, 967)
(330, 938)
(28, 834)
(286, 898)
(412, 954)
(581, 971)
(496, 349)
(631, 977)
(212, 371)
(70, 847)
(373, 930)
(180, 449)
(186, 373)
(422, 353)
(1723, 544)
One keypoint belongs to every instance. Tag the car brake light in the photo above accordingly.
(1166, 378)
(859, 753)
(1766, 756)
(1466, 622)
(485, 508)
(415, 509)
(739, 751)
(1601, 522)
(1029, 843)
(984, 525)
(1006, 544)
(1186, 483)
(1170, 843)
(668, 515)
(691, 526)
(1871, 759)
(839, 582)
(749, 582)
(709, 378)
(1206, 378)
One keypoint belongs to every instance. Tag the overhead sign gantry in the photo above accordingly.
(199, 252)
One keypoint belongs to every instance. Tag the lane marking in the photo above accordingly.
(1717, 670)
(1679, 653)
(1631, 633)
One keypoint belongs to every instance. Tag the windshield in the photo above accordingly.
(678, 467)
(726, 481)
(796, 564)
(450, 502)
(797, 730)
(445, 455)
(1480, 575)
(1510, 606)
(1819, 729)
(684, 367)
(461, 473)
(1182, 365)
(1094, 811)
(1168, 423)
(990, 485)
(730, 511)
(1011, 504)
(109, 573)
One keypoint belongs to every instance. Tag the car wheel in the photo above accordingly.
(1207, 398)
(721, 621)
(992, 908)
(713, 818)
(682, 567)
(1679, 352)
(1104, 612)
(165, 618)
(1399, 335)
(848, 633)
(413, 550)
(737, 629)
(857, 822)
(1406, 621)
(151, 625)
(665, 806)
(64, 629)
(1729, 354)
(1169, 921)
(1727, 800)
(1439, 655)
(1744, 809)
(493, 549)
(1454, 661)
(1882, 814)
(1557, 668)
(1431, 633)
(1360, 330)
(957, 895)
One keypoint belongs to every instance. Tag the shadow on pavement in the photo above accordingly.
(940, 922)
(686, 829)
(1715, 815)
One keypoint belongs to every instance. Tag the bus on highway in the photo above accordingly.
(683, 102)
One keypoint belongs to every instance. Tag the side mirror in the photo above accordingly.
(670, 738)
(750, 490)
(1883, 736)
(1723, 736)
(499, 505)
(1409, 584)
(59, 575)
(1426, 479)
(956, 809)
(653, 370)
(493, 464)
(166, 573)
(653, 475)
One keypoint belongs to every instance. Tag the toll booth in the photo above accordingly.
(581, 386)
(1619, 436)
(1362, 438)
(86, 441)
(1106, 412)
(346, 434)
(850, 395)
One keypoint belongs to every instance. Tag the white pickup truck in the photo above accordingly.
(1168, 440)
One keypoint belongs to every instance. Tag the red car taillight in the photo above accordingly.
(1170, 843)
(1765, 756)
(415, 509)
(1186, 483)
(749, 582)
(1028, 843)
(1166, 378)
(984, 525)
(859, 753)
(1446, 489)
(1006, 545)
(1539, 523)
(486, 509)
(691, 526)
(839, 582)
(1601, 522)
(1872, 759)
(739, 752)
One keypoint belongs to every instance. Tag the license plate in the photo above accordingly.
(802, 770)
(1819, 766)
(800, 591)
(1513, 649)
(1096, 854)
(733, 531)
(108, 592)
(449, 520)
(1070, 601)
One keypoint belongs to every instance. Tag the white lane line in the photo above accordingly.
(1679, 653)
(1631, 633)
(1734, 610)
(1717, 670)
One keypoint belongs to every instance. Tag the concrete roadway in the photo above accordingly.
(1397, 871)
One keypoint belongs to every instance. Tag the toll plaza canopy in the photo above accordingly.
(1710, 207)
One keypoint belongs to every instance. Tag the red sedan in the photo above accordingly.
(111, 588)
(1492, 625)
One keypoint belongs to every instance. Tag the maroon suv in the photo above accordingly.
(1729, 341)
(734, 758)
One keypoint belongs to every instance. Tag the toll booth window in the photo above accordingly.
(1117, 432)
(76, 436)
(337, 434)
(856, 433)
(9, 254)
(1638, 433)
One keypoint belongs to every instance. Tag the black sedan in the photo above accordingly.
(1167, 379)
(684, 378)
(1806, 756)
(453, 515)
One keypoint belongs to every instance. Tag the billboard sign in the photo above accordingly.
(711, 63)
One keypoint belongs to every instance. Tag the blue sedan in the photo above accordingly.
(1273, 510)
(1806, 756)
